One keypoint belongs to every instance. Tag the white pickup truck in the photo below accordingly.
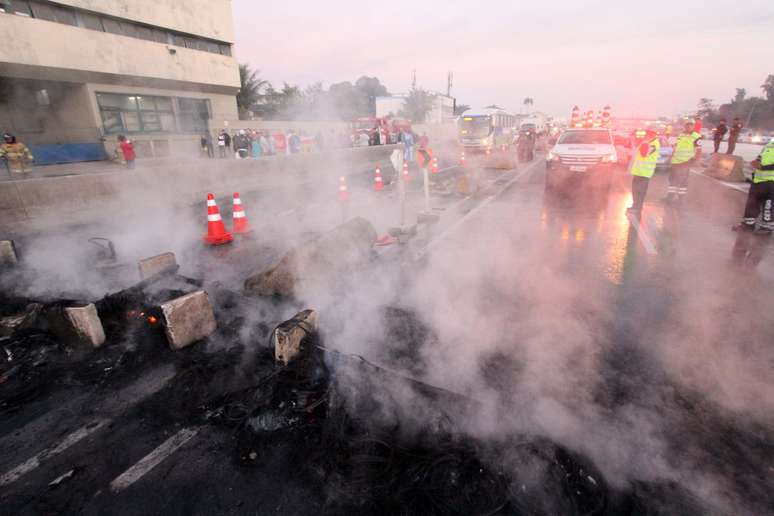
(585, 155)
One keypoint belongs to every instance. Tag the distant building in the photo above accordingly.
(441, 112)
(76, 73)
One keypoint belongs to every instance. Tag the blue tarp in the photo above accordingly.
(51, 154)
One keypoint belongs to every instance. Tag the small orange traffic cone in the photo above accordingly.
(343, 191)
(378, 183)
(434, 166)
(462, 159)
(216, 231)
(406, 176)
(241, 224)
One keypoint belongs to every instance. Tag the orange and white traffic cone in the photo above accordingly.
(343, 191)
(406, 176)
(434, 166)
(216, 231)
(241, 224)
(462, 159)
(378, 183)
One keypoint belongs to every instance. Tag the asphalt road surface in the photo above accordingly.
(641, 345)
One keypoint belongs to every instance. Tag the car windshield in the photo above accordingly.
(592, 137)
(474, 126)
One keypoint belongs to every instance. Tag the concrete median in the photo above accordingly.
(42, 203)
(726, 167)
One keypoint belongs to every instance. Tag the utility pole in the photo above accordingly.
(413, 79)
(449, 79)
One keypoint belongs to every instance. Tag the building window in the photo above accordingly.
(193, 114)
(123, 113)
(49, 11)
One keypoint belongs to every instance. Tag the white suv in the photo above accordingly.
(582, 154)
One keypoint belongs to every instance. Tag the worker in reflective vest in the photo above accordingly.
(16, 154)
(761, 194)
(643, 166)
(682, 156)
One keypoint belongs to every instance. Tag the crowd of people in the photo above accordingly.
(252, 143)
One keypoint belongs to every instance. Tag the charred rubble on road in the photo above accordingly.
(336, 417)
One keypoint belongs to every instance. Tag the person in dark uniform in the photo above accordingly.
(718, 133)
(733, 135)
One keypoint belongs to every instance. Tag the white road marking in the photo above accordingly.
(145, 386)
(153, 459)
(35, 461)
(454, 227)
(643, 236)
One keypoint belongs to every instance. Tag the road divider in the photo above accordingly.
(42, 203)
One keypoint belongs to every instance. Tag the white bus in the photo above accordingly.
(487, 128)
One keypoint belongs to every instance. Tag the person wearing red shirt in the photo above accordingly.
(127, 149)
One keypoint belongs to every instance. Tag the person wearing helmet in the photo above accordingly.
(17, 156)
(648, 150)
(682, 157)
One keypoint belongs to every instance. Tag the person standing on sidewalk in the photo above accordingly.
(17, 156)
(718, 133)
(222, 144)
(643, 167)
(682, 157)
(733, 135)
(127, 149)
(761, 194)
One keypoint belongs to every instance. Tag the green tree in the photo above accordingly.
(460, 108)
(528, 101)
(706, 110)
(249, 89)
(417, 105)
(768, 88)
(368, 89)
(741, 93)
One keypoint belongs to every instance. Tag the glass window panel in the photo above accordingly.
(225, 49)
(150, 121)
(160, 36)
(21, 7)
(190, 42)
(163, 103)
(145, 33)
(131, 121)
(125, 102)
(147, 102)
(129, 29)
(65, 16)
(91, 21)
(41, 11)
(167, 121)
(178, 40)
(111, 26)
(212, 47)
(111, 122)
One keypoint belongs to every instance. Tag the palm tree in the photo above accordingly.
(250, 88)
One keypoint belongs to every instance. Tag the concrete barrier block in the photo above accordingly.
(187, 319)
(158, 264)
(725, 167)
(317, 262)
(78, 324)
(8, 256)
(288, 336)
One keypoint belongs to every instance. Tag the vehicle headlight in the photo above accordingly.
(551, 156)
(610, 158)
(756, 139)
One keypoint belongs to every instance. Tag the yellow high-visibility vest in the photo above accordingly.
(645, 166)
(767, 160)
(685, 148)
